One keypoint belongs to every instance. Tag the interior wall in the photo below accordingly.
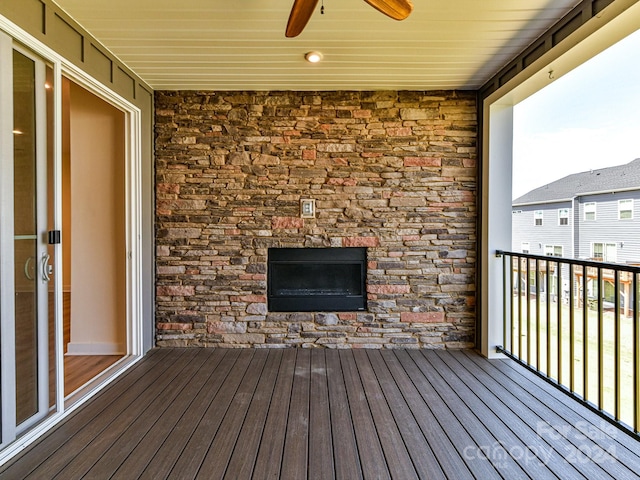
(98, 255)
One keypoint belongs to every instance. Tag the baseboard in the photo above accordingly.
(74, 348)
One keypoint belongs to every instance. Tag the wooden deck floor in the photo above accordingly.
(294, 414)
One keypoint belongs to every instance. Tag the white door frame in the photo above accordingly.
(133, 190)
(7, 279)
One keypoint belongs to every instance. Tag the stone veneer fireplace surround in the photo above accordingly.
(392, 172)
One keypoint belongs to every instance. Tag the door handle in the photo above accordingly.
(46, 268)
(27, 268)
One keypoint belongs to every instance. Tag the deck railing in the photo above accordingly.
(576, 323)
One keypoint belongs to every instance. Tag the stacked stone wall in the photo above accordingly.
(391, 171)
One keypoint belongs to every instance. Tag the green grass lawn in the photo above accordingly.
(525, 341)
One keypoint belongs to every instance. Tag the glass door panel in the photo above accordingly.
(30, 250)
(26, 237)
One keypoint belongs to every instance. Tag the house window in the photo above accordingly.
(604, 252)
(590, 211)
(625, 209)
(537, 217)
(597, 251)
(563, 216)
(553, 250)
(524, 247)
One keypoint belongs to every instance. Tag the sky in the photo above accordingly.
(587, 119)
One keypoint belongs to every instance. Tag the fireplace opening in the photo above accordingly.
(316, 279)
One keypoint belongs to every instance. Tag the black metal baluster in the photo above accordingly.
(528, 299)
(520, 330)
(513, 308)
(559, 320)
(505, 272)
(572, 339)
(616, 341)
(585, 335)
(636, 351)
(548, 318)
(538, 328)
(600, 343)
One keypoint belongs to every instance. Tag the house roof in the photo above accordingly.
(241, 45)
(620, 177)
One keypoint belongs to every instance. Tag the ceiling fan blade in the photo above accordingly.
(396, 9)
(299, 16)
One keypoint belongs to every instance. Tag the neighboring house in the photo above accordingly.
(589, 215)
(593, 215)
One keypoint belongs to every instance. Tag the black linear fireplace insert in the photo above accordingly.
(316, 279)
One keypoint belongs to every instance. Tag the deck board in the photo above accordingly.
(296, 445)
(269, 458)
(189, 462)
(395, 450)
(343, 414)
(372, 457)
(345, 457)
(321, 465)
(215, 462)
(243, 457)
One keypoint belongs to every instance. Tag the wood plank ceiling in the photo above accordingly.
(240, 45)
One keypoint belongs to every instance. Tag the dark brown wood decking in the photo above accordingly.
(349, 414)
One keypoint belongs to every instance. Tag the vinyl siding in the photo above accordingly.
(549, 233)
(607, 228)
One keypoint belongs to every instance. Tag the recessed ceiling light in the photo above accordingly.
(313, 57)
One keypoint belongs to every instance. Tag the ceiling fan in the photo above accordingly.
(302, 10)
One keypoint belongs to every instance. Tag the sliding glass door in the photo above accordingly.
(70, 318)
